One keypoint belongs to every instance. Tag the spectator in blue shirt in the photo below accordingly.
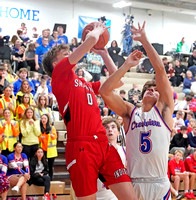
(39, 40)
(39, 54)
(187, 82)
(55, 41)
(23, 72)
(62, 37)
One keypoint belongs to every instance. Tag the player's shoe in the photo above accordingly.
(187, 195)
(54, 196)
(15, 188)
(192, 195)
(179, 196)
(46, 197)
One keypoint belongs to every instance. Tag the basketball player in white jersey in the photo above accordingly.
(112, 132)
(147, 128)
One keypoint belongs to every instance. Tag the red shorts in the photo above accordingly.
(87, 159)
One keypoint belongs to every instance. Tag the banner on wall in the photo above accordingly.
(83, 21)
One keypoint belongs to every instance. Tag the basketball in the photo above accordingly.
(103, 39)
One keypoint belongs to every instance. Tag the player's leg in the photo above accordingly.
(123, 190)
(176, 180)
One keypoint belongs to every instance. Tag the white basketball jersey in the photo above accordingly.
(147, 144)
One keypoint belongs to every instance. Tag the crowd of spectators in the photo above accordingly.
(26, 106)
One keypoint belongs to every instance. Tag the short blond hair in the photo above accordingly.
(178, 151)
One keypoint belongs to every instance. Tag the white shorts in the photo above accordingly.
(152, 189)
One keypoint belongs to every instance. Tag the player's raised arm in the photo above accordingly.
(91, 39)
(162, 82)
(113, 100)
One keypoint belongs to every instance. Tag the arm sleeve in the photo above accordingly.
(189, 165)
(4, 167)
(36, 128)
(95, 86)
(26, 162)
(54, 133)
(171, 167)
(13, 164)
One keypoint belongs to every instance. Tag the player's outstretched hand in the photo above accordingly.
(100, 51)
(134, 58)
(97, 31)
(139, 33)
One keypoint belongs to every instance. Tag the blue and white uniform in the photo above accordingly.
(17, 166)
(147, 142)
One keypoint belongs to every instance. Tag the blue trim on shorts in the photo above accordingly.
(166, 197)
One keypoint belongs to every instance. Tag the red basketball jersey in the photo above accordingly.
(77, 101)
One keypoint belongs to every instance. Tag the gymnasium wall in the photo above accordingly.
(162, 27)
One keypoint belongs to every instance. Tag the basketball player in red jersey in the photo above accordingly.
(88, 153)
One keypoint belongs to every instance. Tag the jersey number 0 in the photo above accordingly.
(89, 99)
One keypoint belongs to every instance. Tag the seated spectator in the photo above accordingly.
(122, 94)
(8, 76)
(25, 88)
(35, 80)
(74, 44)
(114, 50)
(180, 71)
(187, 82)
(3, 82)
(41, 90)
(39, 172)
(23, 106)
(19, 59)
(178, 121)
(192, 62)
(42, 108)
(13, 40)
(30, 56)
(95, 63)
(192, 122)
(80, 73)
(48, 141)
(171, 74)
(4, 183)
(178, 173)
(192, 138)
(9, 130)
(39, 40)
(121, 137)
(190, 115)
(112, 131)
(184, 105)
(132, 91)
(30, 130)
(180, 142)
(18, 170)
(135, 100)
(15, 48)
(193, 46)
(11, 85)
(182, 47)
(34, 35)
(175, 96)
(7, 102)
(165, 63)
(55, 41)
(61, 36)
(23, 72)
(39, 54)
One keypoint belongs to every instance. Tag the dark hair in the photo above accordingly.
(122, 92)
(50, 57)
(44, 161)
(115, 43)
(183, 128)
(189, 98)
(15, 144)
(6, 109)
(77, 70)
(48, 127)
(147, 85)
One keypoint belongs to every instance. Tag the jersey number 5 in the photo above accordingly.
(145, 142)
(89, 99)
